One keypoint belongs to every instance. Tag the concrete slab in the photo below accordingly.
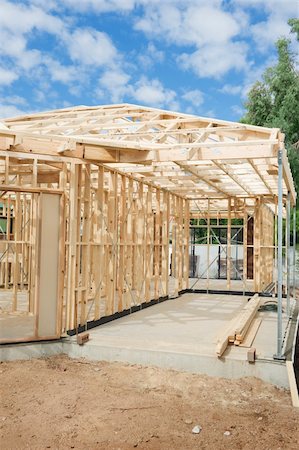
(181, 334)
(30, 350)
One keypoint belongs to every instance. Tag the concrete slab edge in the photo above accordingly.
(267, 371)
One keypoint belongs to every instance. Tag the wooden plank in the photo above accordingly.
(157, 246)
(72, 247)
(246, 316)
(17, 250)
(140, 237)
(245, 234)
(292, 384)
(149, 243)
(130, 299)
(228, 246)
(122, 230)
(251, 333)
(223, 338)
(186, 244)
(236, 329)
(111, 253)
(85, 249)
(208, 245)
(257, 243)
(165, 243)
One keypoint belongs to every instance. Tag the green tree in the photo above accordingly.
(274, 101)
(294, 24)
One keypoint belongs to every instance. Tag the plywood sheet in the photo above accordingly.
(49, 263)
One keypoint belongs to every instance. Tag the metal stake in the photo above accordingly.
(279, 355)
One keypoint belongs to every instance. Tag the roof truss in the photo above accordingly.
(190, 155)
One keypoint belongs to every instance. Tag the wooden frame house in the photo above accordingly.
(97, 204)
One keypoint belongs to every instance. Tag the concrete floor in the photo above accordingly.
(190, 323)
(186, 324)
(181, 334)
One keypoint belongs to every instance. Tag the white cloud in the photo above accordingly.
(231, 89)
(20, 18)
(206, 37)
(285, 7)
(215, 60)
(116, 83)
(18, 22)
(152, 92)
(14, 100)
(86, 47)
(191, 23)
(39, 96)
(163, 18)
(14, 46)
(119, 87)
(238, 111)
(210, 113)
(91, 47)
(65, 74)
(102, 5)
(10, 111)
(7, 77)
(207, 27)
(151, 56)
(195, 97)
(266, 32)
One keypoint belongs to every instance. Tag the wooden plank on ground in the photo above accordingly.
(238, 326)
(292, 383)
(223, 339)
(246, 316)
(249, 338)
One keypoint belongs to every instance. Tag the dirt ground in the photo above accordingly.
(60, 403)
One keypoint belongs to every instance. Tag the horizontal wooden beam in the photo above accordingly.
(11, 188)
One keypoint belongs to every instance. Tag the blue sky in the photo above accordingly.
(195, 56)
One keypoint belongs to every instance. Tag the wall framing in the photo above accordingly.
(130, 178)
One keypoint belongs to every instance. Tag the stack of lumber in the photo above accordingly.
(235, 332)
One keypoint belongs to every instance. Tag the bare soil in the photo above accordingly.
(60, 403)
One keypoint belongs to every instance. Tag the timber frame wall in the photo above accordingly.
(117, 244)
(258, 233)
(129, 179)
(115, 249)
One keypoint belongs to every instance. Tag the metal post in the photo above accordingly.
(279, 355)
(294, 251)
(288, 251)
(275, 249)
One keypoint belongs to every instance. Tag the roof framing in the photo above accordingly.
(194, 156)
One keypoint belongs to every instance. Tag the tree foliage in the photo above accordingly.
(274, 101)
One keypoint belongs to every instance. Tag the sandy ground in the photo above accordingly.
(60, 403)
